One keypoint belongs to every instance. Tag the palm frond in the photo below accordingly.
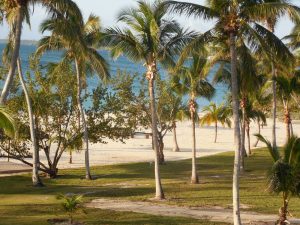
(7, 123)
(191, 9)
(273, 150)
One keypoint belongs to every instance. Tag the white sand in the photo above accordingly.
(139, 149)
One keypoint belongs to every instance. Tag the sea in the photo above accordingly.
(120, 64)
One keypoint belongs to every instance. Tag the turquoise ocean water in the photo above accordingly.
(122, 63)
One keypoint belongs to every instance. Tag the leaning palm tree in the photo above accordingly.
(17, 12)
(284, 174)
(6, 57)
(78, 40)
(237, 19)
(148, 38)
(36, 181)
(192, 81)
(214, 114)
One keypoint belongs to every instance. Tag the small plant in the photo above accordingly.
(284, 176)
(71, 203)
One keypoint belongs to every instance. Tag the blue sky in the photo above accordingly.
(108, 10)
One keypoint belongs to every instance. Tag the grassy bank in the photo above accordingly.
(23, 204)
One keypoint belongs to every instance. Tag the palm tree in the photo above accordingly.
(15, 13)
(284, 174)
(36, 181)
(236, 19)
(192, 81)
(286, 88)
(215, 114)
(78, 40)
(248, 80)
(149, 38)
(261, 100)
(271, 20)
(252, 114)
(71, 204)
(176, 114)
(180, 115)
(7, 52)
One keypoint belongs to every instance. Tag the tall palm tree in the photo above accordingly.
(149, 38)
(214, 114)
(284, 174)
(248, 80)
(78, 40)
(192, 81)
(15, 13)
(271, 19)
(236, 18)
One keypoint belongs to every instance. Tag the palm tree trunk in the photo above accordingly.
(216, 131)
(161, 146)
(194, 178)
(248, 138)
(287, 123)
(271, 28)
(71, 157)
(237, 135)
(8, 150)
(175, 148)
(85, 131)
(283, 211)
(243, 139)
(159, 194)
(14, 58)
(274, 106)
(36, 181)
(257, 140)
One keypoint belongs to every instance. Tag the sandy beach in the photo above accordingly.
(138, 149)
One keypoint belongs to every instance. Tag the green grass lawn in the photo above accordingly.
(23, 204)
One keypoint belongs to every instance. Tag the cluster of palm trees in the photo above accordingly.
(242, 36)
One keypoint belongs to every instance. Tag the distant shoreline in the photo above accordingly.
(23, 42)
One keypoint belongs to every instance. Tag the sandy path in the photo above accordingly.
(212, 214)
(11, 168)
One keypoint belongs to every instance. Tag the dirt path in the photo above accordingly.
(212, 214)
